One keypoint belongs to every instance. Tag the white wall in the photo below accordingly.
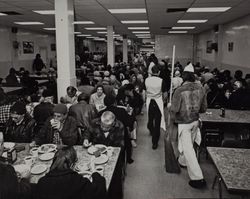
(183, 45)
(10, 57)
(237, 32)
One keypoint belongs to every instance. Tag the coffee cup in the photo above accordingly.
(110, 150)
(29, 160)
(100, 170)
(34, 151)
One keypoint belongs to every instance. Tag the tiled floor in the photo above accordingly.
(147, 179)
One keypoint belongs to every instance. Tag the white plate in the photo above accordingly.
(82, 167)
(38, 169)
(46, 148)
(102, 159)
(94, 148)
(8, 145)
(21, 169)
(46, 156)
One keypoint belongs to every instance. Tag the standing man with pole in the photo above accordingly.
(188, 101)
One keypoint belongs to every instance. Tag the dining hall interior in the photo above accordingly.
(115, 99)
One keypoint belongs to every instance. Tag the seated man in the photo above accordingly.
(20, 126)
(105, 130)
(58, 129)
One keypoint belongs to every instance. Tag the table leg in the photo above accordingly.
(215, 179)
(220, 189)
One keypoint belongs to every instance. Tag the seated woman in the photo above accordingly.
(97, 98)
(63, 182)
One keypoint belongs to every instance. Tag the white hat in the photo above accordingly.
(189, 68)
(124, 82)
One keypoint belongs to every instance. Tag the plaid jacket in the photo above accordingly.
(4, 113)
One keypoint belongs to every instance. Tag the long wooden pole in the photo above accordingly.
(172, 75)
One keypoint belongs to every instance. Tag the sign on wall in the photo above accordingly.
(28, 47)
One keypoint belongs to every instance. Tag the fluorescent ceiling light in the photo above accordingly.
(29, 23)
(177, 31)
(124, 11)
(83, 35)
(49, 28)
(83, 22)
(103, 32)
(138, 32)
(192, 21)
(134, 21)
(209, 9)
(90, 37)
(45, 12)
(77, 33)
(96, 28)
(180, 28)
(2, 14)
(143, 35)
(241, 27)
(138, 28)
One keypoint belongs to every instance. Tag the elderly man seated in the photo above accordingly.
(59, 128)
(106, 130)
(20, 126)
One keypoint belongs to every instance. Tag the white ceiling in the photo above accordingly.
(97, 11)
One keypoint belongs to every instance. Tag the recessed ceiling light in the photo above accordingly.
(134, 21)
(177, 31)
(96, 28)
(180, 28)
(45, 12)
(124, 11)
(138, 28)
(77, 33)
(83, 22)
(49, 28)
(2, 14)
(29, 23)
(138, 32)
(192, 21)
(209, 9)
(83, 35)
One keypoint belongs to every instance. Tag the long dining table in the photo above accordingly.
(233, 168)
(83, 157)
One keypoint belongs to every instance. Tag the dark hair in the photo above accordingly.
(155, 69)
(188, 76)
(238, 74)
(129, 87)
(8, 182)
(109, 100)
(64, 158)
(12, 71)
(71, 89)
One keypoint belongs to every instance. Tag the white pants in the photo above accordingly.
(187, 135)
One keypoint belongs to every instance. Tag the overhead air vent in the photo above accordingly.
(11, 13)
(171, 10)
(166, 28)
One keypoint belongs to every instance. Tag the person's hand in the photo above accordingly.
(169, 105)
(86, 143)
(33, 144)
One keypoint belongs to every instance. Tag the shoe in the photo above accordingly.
(154, 146)
(133, 142)
(198, 184)
(130, 161)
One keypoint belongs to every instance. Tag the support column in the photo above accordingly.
(110, 45)
(219, 40)
(65, 45)
(125, 49)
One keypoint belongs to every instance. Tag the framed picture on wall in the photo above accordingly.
(230, 46)
(28, 47)
(53, 47)
(209, 46)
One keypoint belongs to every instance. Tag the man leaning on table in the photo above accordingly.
(188, 101)
(106, 130)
